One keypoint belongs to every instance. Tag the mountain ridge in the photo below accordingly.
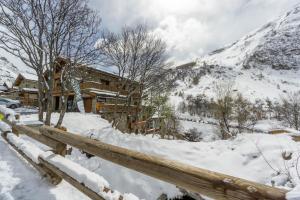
(263, 64)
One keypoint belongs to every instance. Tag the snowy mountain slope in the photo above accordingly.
(9, 71)
(263, 64)
(275, 45)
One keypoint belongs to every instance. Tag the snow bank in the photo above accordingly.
(25, 146)
(9, 113)
(5, 127)
(90, 179)
(247, 156)
(294, 194)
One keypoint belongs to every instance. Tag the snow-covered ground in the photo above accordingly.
(256, 157)
(18, 180)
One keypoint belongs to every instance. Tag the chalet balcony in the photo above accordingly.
(110, 108)
(98, 86)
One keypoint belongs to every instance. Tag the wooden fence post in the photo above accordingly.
(44, 171)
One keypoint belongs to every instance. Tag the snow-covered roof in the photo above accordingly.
(30, 89)
(3, 88)
(8, 84)
(26, 76)
(29, 76)
(105, 92)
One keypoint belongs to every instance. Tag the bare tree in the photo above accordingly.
(290, 109)
(71, 32)
(22, 35)
(243, 113)
(40, 32)
(137, 54)
(224, 107)
(78, 46)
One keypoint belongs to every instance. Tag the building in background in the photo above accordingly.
(25, 89)
(102, 92)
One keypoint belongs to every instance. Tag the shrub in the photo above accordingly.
(193, 135)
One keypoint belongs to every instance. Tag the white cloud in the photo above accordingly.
(192, 28)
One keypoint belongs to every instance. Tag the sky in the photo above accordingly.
(192, 28)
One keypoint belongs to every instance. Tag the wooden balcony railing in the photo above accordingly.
(109, 108)
(98, 86)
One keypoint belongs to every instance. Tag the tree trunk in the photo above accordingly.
(63, 110)
(40, 98)
(114, 121)
(49, 100)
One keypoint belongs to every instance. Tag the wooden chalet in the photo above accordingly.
(100, 90)
(25, 86)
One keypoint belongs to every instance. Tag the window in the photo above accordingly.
(105, 82)
(58, 84)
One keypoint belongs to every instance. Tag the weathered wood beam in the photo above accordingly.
(208, 183)
(81, 187)
(58, 147)
(90, 193)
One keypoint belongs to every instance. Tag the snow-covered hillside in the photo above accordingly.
(264, 63)
(9, 71)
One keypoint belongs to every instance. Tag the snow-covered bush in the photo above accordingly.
(290, 110)
(244, 113)
(193, 135)
(224, 108)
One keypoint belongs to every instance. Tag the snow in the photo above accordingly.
(105, 92)
(30, 89)
(26, 110)
(90, 179)
(80, 106)
(27, 147)
(21, 181)
(8, 113)
(8, 71)
(256, 157)
(294, 194)
(29, 76)
(3, 88)
(263, 64)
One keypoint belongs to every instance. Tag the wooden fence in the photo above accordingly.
(208, 183)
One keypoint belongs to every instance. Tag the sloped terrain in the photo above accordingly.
(263, 64)
(9, 71)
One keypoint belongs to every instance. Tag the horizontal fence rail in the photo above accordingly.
(49, 171)
(212, 184)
